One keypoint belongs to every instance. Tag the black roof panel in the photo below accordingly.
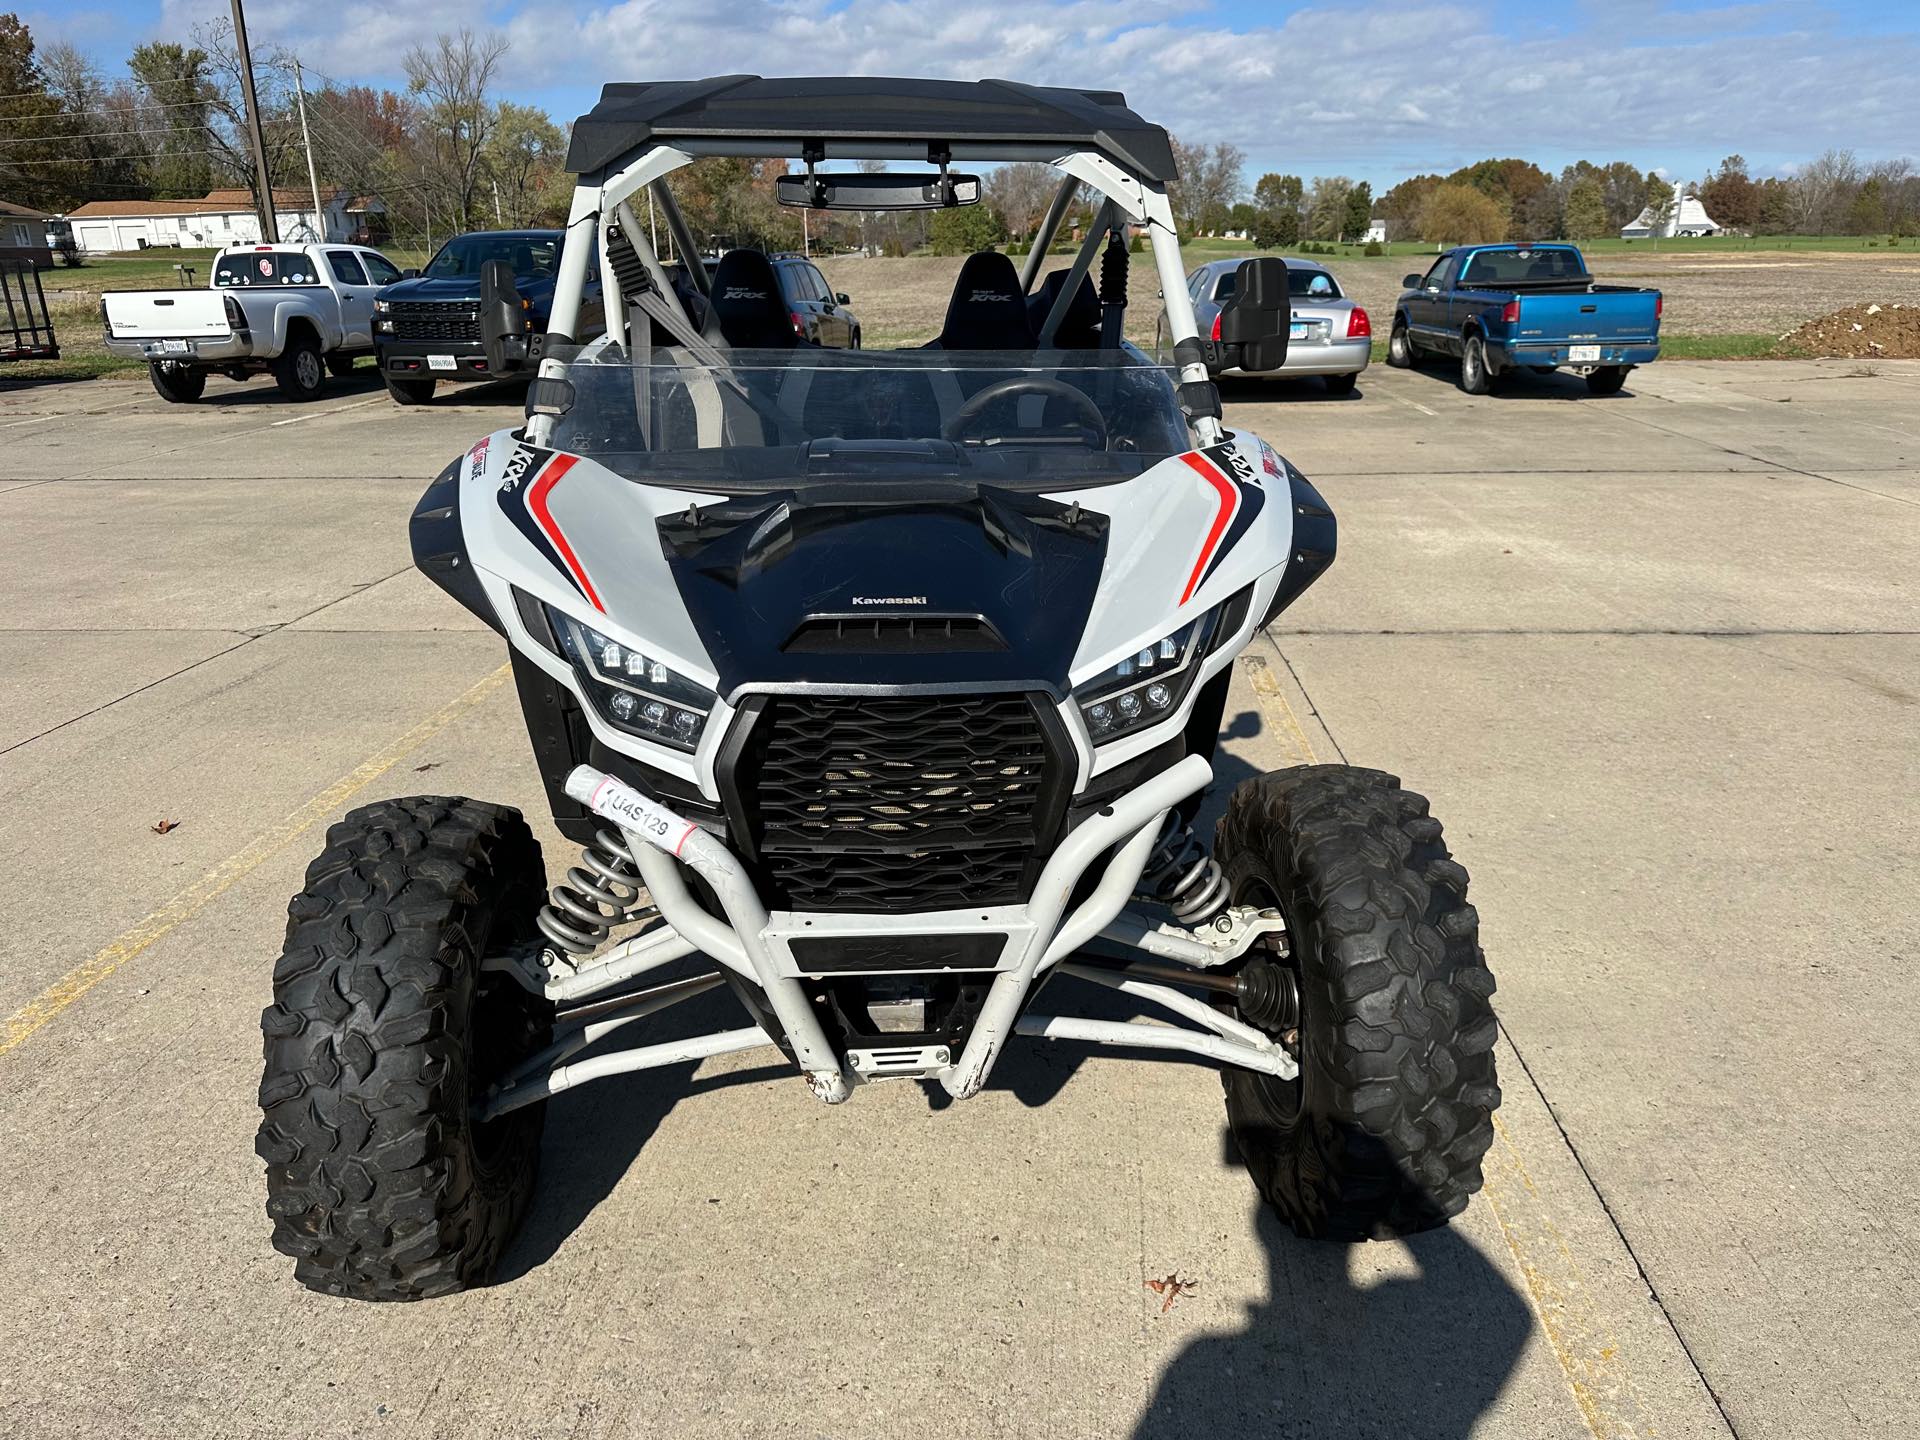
(797, 109)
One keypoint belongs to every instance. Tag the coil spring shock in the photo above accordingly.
(600, 893)
(1181, 875)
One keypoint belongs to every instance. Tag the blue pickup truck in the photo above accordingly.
(1501, 308)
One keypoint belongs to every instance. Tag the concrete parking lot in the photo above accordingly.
(1656, 659)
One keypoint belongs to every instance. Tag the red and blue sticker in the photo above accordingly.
(1239, 498)
(526, 490)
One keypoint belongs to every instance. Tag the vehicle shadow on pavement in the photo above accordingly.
(1409, 1357)
(595, 1134)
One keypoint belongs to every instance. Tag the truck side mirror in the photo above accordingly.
(503, 318)
(1257, 317)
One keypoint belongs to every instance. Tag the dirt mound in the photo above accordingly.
(1861, 332)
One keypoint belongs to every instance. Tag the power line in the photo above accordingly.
(109, 134)
(140, 105)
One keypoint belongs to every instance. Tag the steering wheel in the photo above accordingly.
(964, 418)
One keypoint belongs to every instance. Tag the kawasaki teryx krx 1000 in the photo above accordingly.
(886, 683)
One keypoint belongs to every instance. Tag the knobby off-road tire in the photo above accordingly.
(382, 1033)
(1607, 380)
(1476, 376)
(1400, 346)
(300, 372)
(1383, 1131)
(180, 384)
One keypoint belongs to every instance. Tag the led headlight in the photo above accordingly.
(1147, 686)
(632, 690)
(383, 306)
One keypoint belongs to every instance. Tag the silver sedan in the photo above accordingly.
(1331, 336)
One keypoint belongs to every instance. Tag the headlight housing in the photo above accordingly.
(634, 691)
(383, 306)
(1147, 686)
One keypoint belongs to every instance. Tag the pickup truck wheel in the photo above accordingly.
(340, 366)
(409, 392)
(1475, 377)
(1607, 380)
(181, 384)
(1400, 347)
(299, 372)
(1387, 1007)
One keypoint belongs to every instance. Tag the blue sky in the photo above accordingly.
(1377, 89)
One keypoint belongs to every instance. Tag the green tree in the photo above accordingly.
(523, 157)
(29, 115)
(1660, 205)
(1359, 212)
(1730, 197)
(1867, 215)
(174, 81)
(1401, 206)
(965, 229)
(1586, 214)
(1327, 207)
(1462, 215)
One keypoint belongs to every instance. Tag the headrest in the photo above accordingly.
(1080, 326)
(988, 310)
(746, 305)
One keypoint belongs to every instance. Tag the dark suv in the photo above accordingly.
(819, 315)
(427, 327)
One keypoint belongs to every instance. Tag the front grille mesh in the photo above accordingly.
(453, 320)
(897, 802)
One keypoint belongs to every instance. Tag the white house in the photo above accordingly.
(1376, 233)
(220, 217)
(1689, 218)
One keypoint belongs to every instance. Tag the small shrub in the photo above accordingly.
(1374, 247)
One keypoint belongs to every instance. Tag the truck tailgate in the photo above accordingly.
(1603, 315)
(154, 314)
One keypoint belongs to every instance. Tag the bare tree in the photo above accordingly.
(454, 81)
(1020, 193)
(1211, 182)
(1822, 190)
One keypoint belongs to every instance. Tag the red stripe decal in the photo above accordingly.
(537, 503)
(1229, 502)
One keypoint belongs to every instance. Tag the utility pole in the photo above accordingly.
(300, 96)
(269, 226)
(498, 223)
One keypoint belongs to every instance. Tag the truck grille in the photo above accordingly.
(457, 321)
(924, 802)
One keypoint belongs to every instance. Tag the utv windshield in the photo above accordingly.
(742, 420)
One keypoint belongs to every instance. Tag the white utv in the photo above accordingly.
(879, 687)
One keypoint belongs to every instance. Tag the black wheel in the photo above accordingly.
(1400, 346)
(1475, 377)
(299, 372)
(182, 384)
(340, 366)
(1341, 384)
(1607, 380)
(1382, 1131)
(409, 392)
(382, 1034)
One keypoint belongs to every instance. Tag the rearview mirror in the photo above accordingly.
(504, 318)
(1256, 318)
(1411, 282)
(876, 192)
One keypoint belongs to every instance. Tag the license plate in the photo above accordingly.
(1298, 330)
(1577, 354)
(441, 362)
(175, 347)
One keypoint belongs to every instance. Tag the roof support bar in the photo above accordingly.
(1082, 262)
(1043, 237)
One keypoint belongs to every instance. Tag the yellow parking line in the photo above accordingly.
(1589, 1355)
(1273, 700)
(41, 1010)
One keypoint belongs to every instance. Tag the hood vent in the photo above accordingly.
(894, 635)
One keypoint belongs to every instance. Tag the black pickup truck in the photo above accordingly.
(427, 326)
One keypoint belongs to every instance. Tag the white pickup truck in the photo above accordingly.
(297, 311)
